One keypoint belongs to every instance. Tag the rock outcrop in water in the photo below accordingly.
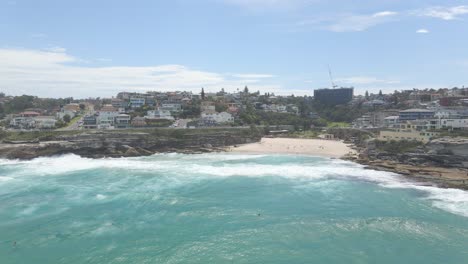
(98, 144)
(442, 161)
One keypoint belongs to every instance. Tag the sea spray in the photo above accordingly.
(223, 207)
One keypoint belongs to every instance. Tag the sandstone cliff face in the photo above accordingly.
(123, 144)
(442, 161)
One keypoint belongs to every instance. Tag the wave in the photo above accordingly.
(185, 169)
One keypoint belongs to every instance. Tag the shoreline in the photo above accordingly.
(118, 144)
(296, 146)
(425, 175)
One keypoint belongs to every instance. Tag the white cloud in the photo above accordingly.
(445, 13)
(253, 76)
(57, 49)
(349, 22)
(104, 60)
(422, 31)
(58, 74)
(365, 80)
(361, 22)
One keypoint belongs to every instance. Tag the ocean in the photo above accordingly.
(223, 208)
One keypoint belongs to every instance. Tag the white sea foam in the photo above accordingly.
(101, 197)
(4, 178)
(185, 169)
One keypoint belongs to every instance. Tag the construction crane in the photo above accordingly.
(331, 78)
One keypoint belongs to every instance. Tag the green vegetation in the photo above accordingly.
(66, 119)
(397, 146)
(20, 103)
(159, 123)
(337, 124)
(34, 135)
(6, 136)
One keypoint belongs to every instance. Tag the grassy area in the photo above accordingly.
(337, 124)
(397, 146)
(33, 135)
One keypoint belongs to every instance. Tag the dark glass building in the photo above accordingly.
(334, 96)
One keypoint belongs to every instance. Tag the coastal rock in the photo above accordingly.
(98, 144)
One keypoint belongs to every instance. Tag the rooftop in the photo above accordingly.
(416, 110)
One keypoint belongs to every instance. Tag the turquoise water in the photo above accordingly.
(223, 208)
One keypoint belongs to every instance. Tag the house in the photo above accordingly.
(106, 117)
(415, 114)
(159, 114)
(391, 121)
(217, 118)
(137, 102)
(72, 107)
(118, 103)
(29, 114)
(327, 136)
(274, 108)
(172, 107)
(409, 130)
(90, 122)
(24, 120)
(122, 121)
(374, 103)
(362, 122)
(399, 135)
(453, 124)
(138, 122)
(208, 107)
(377, 119)
(44, 122)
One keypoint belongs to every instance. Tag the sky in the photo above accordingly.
(89, 48)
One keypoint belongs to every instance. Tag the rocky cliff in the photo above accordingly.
(442, 161)
(97, 144)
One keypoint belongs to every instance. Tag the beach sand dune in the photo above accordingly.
(314, 147)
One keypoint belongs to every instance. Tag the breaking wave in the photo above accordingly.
(184, 169)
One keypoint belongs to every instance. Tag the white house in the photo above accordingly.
(171, 107)
(45, 122)
(106, 117)
(391, 121)
(451, 123)
(160, 114)
(122, 121)
(218, 118)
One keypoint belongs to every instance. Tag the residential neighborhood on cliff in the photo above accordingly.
(402, 115)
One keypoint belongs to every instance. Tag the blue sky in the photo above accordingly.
(94, 48)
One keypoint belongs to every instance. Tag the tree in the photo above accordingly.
(220, 107)
(66, 118)
(367, 95)
(82, 107)
(202, 93)
(380, 93)
(246, 90)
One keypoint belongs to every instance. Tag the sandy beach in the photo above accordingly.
(314, 147)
